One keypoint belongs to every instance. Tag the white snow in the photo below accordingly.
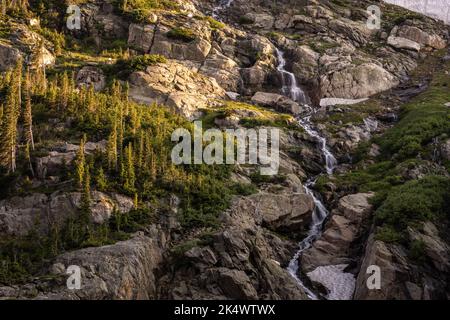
(340, 285)
(325, 102)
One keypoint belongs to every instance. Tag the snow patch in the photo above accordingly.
(340, 285)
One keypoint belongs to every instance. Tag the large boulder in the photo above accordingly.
(403, 43)
(140, 37)
(196, 50)
(357, 82)
(262, 21)
(419, 36)
(288, 212)
(276, 101)
(405, 276)
(55, 161)
(99, 21)
(224, 69)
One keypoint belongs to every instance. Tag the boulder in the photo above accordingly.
(236, 284)
(141, 36)
(419, 36)
(261, 20)
(224, 69)
(196, 50)
(357, 82)
(393, 265)
(403, 43)
(53, 163)
(58, 160)
(286, 212)
(122, 271)
(91, 76)
(276, 101)
(187, 104)
(435, 248)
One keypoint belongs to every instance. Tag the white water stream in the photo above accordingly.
(290, 88)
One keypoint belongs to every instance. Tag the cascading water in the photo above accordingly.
(223, 4)
(291, 89)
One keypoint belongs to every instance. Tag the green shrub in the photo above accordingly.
(417, 251)
(245, 20)
(140, 10)
(214, 24)
(244, 189)
(182, 34)
(124, 67)
(388, 235)
(416, 200)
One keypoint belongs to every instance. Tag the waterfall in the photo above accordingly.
(291, 89)
(222, 5)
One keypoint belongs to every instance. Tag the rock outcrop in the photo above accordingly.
(244, 259)
(125, 271)
(176, 86)
(40, 212)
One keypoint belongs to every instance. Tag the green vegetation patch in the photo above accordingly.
(183, 34)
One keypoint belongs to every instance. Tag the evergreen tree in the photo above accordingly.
(81, 164)
(8, 141)
(102, 183)
(128, 169)
(27, 113)
(112, 148)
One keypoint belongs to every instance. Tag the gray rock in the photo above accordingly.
(19, 215)
(141, 36)
(8, 56)
(91, 76)
(277, 101)
(403, 43)
(357, 82)
(176, 86)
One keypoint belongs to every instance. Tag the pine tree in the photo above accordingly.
(81, 164)
(128, 169)
(27, 113)
(11, 112)
(101, 181)
(112, 148)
